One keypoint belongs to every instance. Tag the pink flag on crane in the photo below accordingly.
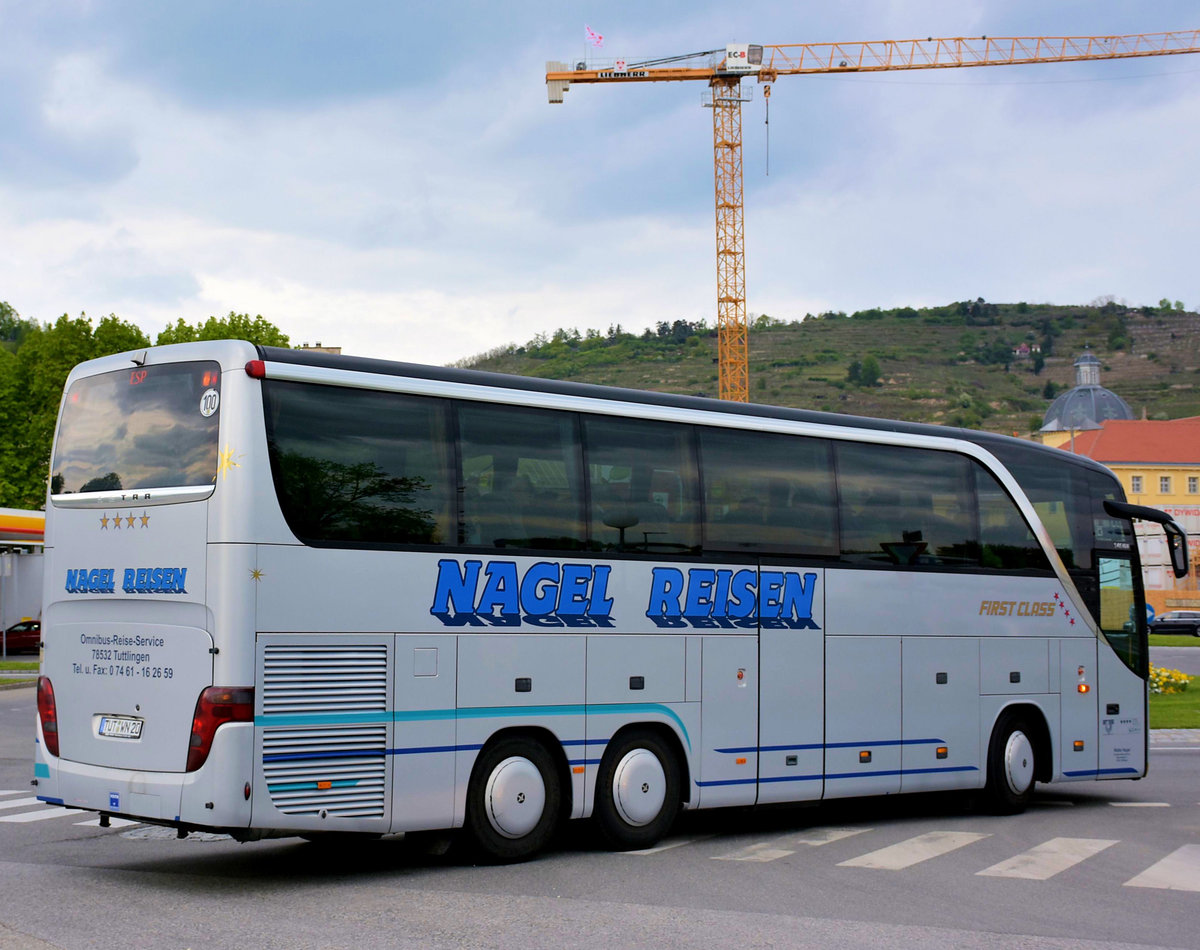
(596, 39)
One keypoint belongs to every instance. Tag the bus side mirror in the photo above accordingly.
(1176, 536)
(1178, 547)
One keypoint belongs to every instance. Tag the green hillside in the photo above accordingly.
(952, 365)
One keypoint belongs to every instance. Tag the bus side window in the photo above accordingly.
(354, 466)
(643, 486)
(1007, 541)
(769, 493)
(522, 484)
(906, 507)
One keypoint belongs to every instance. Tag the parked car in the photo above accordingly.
(1177, 621)
(25, 636)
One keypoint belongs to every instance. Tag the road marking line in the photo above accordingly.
(1049, 858)
(915, 850)
(815, 837)
(113, 822)
(756, 852)
(20, 802)
(39, 815)
(1140, 804)
(11, 791)
(1178, 871)
(668, 845)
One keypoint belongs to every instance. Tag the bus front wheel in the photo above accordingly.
(514, 800)
(637, 791)
(1012, 765)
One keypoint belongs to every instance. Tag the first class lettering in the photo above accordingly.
(134, 580)
(1017, 608)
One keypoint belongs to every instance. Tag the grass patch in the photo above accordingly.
(1173, 640)
(1176, 710)
(29, 666)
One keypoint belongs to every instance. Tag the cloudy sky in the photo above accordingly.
(389, 177)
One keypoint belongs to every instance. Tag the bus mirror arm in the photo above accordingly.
(1176, 536)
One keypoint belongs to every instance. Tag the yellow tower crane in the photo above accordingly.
(724, 71)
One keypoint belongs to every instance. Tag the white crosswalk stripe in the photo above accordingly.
(816, 837)
(1178, 871)
(19, 802)
(1049, 858)
(762, 851)
(669, 845)
(10, 791)
(39, 815)
(905, 854)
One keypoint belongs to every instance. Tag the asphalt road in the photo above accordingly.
(1089, 865)
(1184, 659)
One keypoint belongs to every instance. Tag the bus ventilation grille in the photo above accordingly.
(331, 766)
(324, 679)
(339, 770)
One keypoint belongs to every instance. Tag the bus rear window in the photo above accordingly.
(139, 428)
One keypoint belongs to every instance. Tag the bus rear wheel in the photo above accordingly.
(514, 800)
(1012, 765)
(637, 791)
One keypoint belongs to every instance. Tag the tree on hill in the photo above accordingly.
(31, 385)
(35, 361)
(235, 326)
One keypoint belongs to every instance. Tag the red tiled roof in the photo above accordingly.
(1174, 441)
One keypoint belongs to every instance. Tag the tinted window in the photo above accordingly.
(352, 465)
(522, 483)
(643, 486)
(908, 507)
(143, 427)
(1007, 542)
(769, 493)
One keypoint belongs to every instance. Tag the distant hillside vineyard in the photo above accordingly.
(972, 363)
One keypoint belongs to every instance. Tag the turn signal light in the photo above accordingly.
(1083, 688)
(216, 706)
(1078, 745)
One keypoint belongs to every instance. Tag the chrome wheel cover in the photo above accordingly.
(639, 787)
(1018, 762)
(515, 797)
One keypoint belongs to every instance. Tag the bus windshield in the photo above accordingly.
(145, 427)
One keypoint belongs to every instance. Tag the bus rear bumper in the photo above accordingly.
(214, 796)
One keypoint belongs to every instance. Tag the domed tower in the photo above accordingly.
(1085, 406)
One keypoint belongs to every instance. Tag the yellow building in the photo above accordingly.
(1158, 464)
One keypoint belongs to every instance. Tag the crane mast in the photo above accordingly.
(724, 69)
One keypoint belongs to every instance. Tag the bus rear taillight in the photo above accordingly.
(216, 706)
(48, 714)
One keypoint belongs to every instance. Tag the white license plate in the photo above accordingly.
(118, 727)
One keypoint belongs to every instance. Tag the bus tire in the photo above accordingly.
(514, 800)
(1012, 765)
(637, 791)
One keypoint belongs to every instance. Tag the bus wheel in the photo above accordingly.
(514, 800)
(637, 791)
(1011, 765)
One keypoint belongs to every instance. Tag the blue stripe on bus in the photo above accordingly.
(1080, 774)
(309, 786)
(831, 745)
(837, 775)
(50, 801)
(482, 712)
